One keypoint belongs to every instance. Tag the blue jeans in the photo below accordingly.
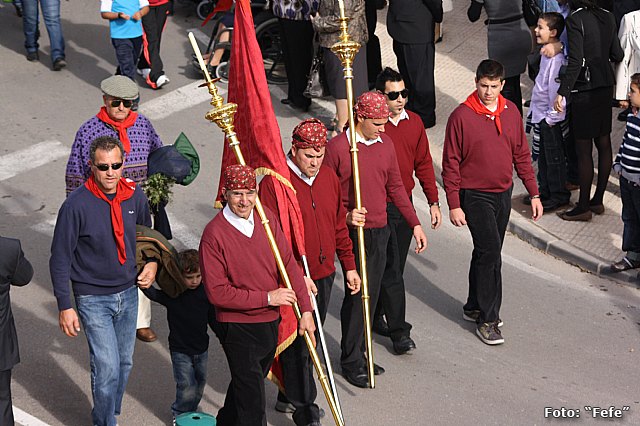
(127, 54)
(630, 194)
(109, 323)
(190, 374)
(51, 14)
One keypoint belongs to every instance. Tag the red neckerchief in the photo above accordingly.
(124, 191)
(473, 102)
(121, 126)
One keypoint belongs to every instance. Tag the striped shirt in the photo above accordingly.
(627, 161)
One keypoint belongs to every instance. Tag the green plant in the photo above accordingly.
(157, 187)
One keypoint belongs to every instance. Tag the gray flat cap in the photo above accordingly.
(119, 86)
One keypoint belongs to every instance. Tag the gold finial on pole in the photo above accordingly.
(222, 115)
(346, 50)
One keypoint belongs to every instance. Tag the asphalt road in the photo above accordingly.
(571, 338)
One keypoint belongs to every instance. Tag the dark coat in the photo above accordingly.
(413, 21)
(14, 270)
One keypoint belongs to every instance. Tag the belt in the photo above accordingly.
(503, 20)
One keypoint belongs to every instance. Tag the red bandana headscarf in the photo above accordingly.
(473, 101)
(121, 126)
(310, 133)
(239, 177)
(371, 105)
(124, 191)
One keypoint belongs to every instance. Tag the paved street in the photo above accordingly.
(572, 338)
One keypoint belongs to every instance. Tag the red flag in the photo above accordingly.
(221, 6)
(261, 146)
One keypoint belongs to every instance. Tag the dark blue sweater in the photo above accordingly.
(84, 251)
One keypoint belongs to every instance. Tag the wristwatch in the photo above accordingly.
(435, 203)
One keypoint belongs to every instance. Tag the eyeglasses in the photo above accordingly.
(394, 95)
(126, 102)
(105, 167)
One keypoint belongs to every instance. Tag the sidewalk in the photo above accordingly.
(592, 246)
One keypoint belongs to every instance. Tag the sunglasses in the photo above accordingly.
(105, 167)
(394, 95)
(116, 103)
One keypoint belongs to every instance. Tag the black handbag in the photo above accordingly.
(531, 12)
(316, 81)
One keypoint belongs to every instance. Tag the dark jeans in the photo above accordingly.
(351, 314)
(153, 24)
(552, 167)
(190, 374)
(393, 302)
(630, 194)
(512, 91)
(487, 216)
(127, 53)
(6, 410)
(249, 349)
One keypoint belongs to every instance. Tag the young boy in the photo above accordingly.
(188, 316)
(627, 164)
(552, 170)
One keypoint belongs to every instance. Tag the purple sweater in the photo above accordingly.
(144, 140)
(545, 91)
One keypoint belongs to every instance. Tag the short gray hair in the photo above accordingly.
(105, 143)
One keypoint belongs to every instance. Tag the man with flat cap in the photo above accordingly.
(241, 279)
(325, 234)
(379, 180)
(139, 139)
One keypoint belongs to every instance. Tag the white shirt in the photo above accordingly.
(243, 225)
(403, 116)
(306, 179)
(361, 139)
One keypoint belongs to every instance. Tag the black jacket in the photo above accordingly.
(593, 36)
(412, 21)
(14, 270)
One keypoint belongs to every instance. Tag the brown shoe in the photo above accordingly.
(146, 335)
(578, 217)
(624, 265)
(597, 208)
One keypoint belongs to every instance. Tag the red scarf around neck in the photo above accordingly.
(124, 191)
(473, 101)
(121, 126)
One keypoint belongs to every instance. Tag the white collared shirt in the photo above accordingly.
(403, 116)
(243, 225)
(306, 179)
(361, 139)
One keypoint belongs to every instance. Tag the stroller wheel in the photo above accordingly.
(204, 8)
(222, 72)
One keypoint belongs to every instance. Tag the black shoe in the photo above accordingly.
(287, 101)
(358, 378)
(551, 205)
(527, 103)
(622, 116)
(403, 345)
(59, 63)
(378, 369)
(380, 326)
(33, 56)
(624, 265)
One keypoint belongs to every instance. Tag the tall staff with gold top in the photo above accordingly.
(223, 116)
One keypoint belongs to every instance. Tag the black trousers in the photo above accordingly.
(392, 302)
(416, 63)
(351, 314)
(6, 411)
(487, 216)
(512, 91)
(250, 349)
(153, 24)
(552, 165)
(374, 56)
(297, 46)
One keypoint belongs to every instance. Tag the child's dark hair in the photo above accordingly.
(555, 21)
(189, 261)
(635, 80)
(493, 70)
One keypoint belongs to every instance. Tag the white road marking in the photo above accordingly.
(45, 227)
(177, 100)
(26, 419)
(31, 158)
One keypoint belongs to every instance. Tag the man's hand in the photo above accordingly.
(311, 286)
(282, 297)
(558, 105)
(536, 209)
(421, 239)
(457, 217)
(436, 217)
(306, 324)
(353, 281)
(356, 217)
(148, 275)
(69, 324)
(551, 49)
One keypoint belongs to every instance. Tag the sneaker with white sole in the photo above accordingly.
(472, 316)
(489, 333)
(161, 81)
(144, 72)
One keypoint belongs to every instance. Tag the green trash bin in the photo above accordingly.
(195, 419)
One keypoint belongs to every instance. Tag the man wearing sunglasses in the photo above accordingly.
(409, 138)
(94, 248)
(139, 139)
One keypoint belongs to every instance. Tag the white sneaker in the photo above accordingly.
(161, 81)
(144, 72)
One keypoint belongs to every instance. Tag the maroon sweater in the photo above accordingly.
(379, 178)
(476, 157)
(412, 150)
(325, 230)
(238, 271)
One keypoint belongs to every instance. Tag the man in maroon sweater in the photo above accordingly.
(406, 130)
(241, 279)
(484, 140)
(326, 234)
(379, 179)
